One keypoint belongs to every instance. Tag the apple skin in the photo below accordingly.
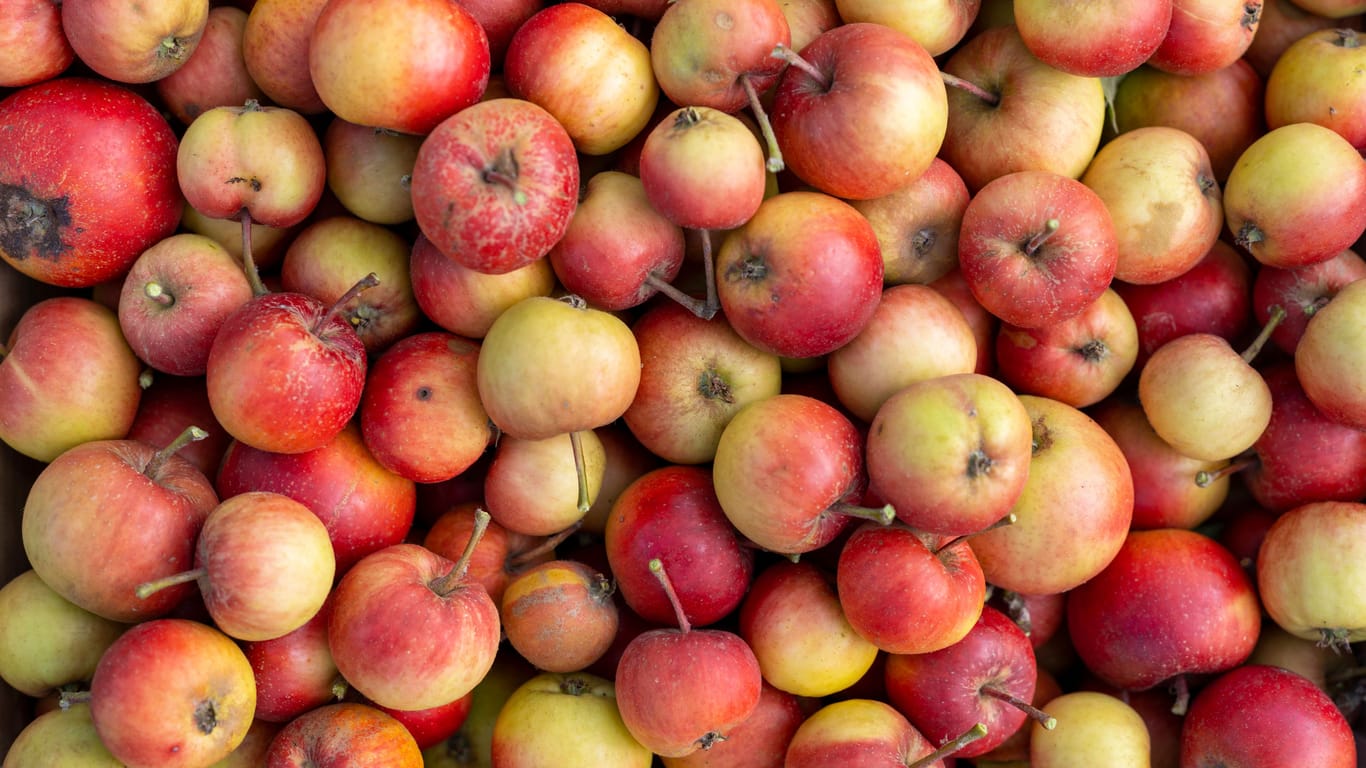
(559, 615)
(1282, 23)
(275, 47)
(134, 44)
(1047, 119)
(342, 734)
(937, 25)
(802, 277)
(174, 299)
(167, 406)
(862, 732)
(172, 692)
(500, 20)
(532, 486)
(1296, 547)
(1172, 602)
(215, 74)
(394, 64)
(499, 555)
(59, 736)
(1074, 510)
(851, 137)
(1095, 40)
(85, 223)
(702, 52)
(433, 725)
(364, 506)
(1206, 35)
(758, 742)
(294, 672)
(1301, 292)
(1296, 92)
(1019, 269)
(703, 169)
(564, 719)
(46, 641)
(1263, 715)
(1101, 730)
(33, 47)
(917, 225)
(486, 225)
(368, 170)
(68, 377)
(1329, 357)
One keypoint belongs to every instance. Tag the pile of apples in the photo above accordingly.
(804, 383)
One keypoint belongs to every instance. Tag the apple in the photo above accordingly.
(134, 45)
(1317, 206)
(951, 454)
(866, 732)
(172, 692)
(473, 741)
(808, 18)
(1329, 357)
(294, 672)
(80, 223)
(1037, 247)
(175, 297)
(1016, 112)
(215, 73)
(533, 486)
(500, 554)
(465, 301)
(1335, 9)
(1295, 87)
(587, 71)
(758, 742)
(433, 725)
(495, 185)
(370, 170)
(1206, 35)
(1301, 292)
(937, 25)
(500, 19)
(275, 49)
(917, 225)
(1289, 572)
(345, 733)
(1282, 23)
(1258, 714)
(565, 719)
(65, 735)
(267, 243)
(1093, 729)
(984, 325)
(46, 641)
(67, 376)
(559, 615)
(33, 47)
(404, 66)
(1108, 39)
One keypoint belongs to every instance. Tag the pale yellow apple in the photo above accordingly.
(937, 25)
(1093, 729)
(565, 719)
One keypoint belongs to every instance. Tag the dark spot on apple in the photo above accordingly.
(205, 719)
(709, 739)
(713, 387)
(31, 225)
(424, 393)
(1042, 438)
(573, 686)
(1252, 13)
(922, 241)
(1093, 351)
(253, 182)
(979, 464)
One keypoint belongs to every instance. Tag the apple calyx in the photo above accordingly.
(503, 171)
(149, 588)
(205, 718)
(445, 585)
(573, 686)
(1049, 228)
(1346, 38)
(1252, 14)
(31, 225)
(191, 434)
(1248, 234)
(1043, 718)
(1093, 351)
(972, 734)
(369, 281)
(1277, 315)
(339, 688)
(968, 86)
(1204, 478)
(1337, 639)
(712, 386)
(657, 568)
(173, 48)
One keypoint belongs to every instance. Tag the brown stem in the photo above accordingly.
(657, 568)
(148, 588)
(1018, 611)
(1181, 688)
(883, 515)
(781, 51)
(970, 87)
(444, 585)
(548, 544)
(1009, 519)
(1205, 478)
(192, 434)
(1049, 228)
(576, 443)
(775, 155)
(1277, 315)
(694, 305)
(709, 274)
(365, 283)
(155, 292)
(67, 699)
(973, 734)
(1043, 718)
(258, 288)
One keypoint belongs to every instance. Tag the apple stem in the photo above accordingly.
(970, 87)
(258, 288)
(883, 515)
(444, 585)
(1009, 519)
(1181, 688)
(148, 588)
(972, 734)
(775, 155)
(155, 292)
(146, 377)
(576, 443)
(657, 568)
(709, 274)
(1037, 241)
(365, 283)
(1205, 478)
(339, 688)
(503, 172)
(1347, 38)
(781, 51)
(192, 434)
(1277, 315)
(68, 699)
(694, 305)
(1043, 718)
(548, 544)
(1018, 611)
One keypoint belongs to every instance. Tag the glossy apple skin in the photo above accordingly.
(937, 25)
(1104, 731)
(1063, 273)
(1296, 87)
(1329, 357)
(396, 64)
(1098, 40)
(1264, 715)
(1171, 602)
(385, 620)
(499, 554)
(294, 673)
(344, 734)
(33, 47)
(672, 513)
(364, 506)
(1301, 292)
(68, 376)
(172, 692)
(852, 138)
(480, 223)
(903, 596)
(941, 692)
(46, 641)
(802, 277)
(758, 742)
(917, 225)
(1206, 35)
(433, 725)
(465, 301)
(86, 223)
(1297, 546)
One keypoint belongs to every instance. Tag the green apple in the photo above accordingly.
(64, 737)
(1093, 729)
(47, 641)
(565, 719)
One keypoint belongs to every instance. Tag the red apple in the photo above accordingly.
(33, 47)
(295, 673)
(1301, 292)
(1206, 35)
(215, 74)
(1328, 358)
(134, 44)
(917, 225)
(559, 615)
(342, 734)
(465, 301)
(1106, 39)
(864, 732)
(275, 46)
